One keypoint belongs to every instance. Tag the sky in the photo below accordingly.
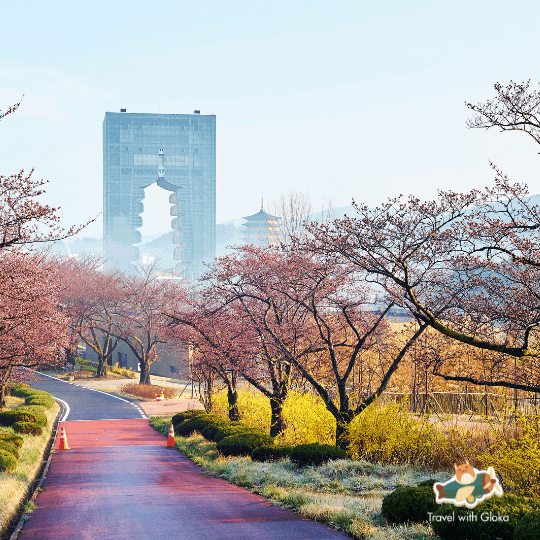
(345, 99)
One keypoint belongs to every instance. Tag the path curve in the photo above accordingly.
(86, 403)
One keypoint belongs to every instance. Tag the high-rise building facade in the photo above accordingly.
(178, 151)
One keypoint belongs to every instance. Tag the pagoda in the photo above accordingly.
(262, 228)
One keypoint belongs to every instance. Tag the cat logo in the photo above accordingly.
(468, 486)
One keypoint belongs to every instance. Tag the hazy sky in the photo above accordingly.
(343, 99)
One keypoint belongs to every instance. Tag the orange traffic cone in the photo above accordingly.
(63, 440)
(160, 396)
(170, 438)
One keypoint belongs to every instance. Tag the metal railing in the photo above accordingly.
(464, 403)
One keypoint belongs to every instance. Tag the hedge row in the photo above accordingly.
(32, 396)
(238, 439)
(510, 517)
(27, 419)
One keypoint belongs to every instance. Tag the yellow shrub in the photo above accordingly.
(219, 404)
(254, 407)
(517, 460)
(128, 373)
(388, 433)
(307, 418)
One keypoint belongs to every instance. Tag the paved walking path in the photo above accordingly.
(120, 481)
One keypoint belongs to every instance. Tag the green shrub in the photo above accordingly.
(242, 444)
(8, 462)
(28, 428)
(178, 418)
(185, 428)
(315, 454)
(32, 396)
(9, 447)
(428, 483)
(409, 504)
(513, 506)
(271, 452)
(30, 413)
(17, 440)
(8, 418)
(38, 397)
(454, 528)
(196, 423)
(235, 428)
(36, 411)
(19, 390)
(209, 432)
(40, 401)
(528, 528)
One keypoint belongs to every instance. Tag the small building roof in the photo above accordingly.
(261, 215)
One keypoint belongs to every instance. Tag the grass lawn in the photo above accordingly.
(14, 486)
(344, 494)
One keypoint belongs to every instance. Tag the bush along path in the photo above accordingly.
(510, 517)
(26, 426)
(318, 481)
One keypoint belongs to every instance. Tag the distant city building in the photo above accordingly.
(178, 151)
(172, 363)
(261, 229)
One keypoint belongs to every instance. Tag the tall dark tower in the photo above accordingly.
(178, 151)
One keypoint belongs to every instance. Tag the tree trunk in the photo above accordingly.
(209, 394)
(145, 373)
(232, 398)
(342, 426)
(3, 392)
(70, 356)
(341, 431)
(277, 422)
(101, 372)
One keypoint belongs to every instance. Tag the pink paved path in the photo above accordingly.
(120, 481)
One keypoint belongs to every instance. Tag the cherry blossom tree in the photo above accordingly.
(142, 319)
(33, 332)
(515, 108)
(93, 301)
(466, 265)
(307, 313)
(256, 357)
(23, 220)
(219, 339)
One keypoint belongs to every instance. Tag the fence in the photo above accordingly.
(464, 403)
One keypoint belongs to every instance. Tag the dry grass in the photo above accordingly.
(460, 442)
(84, 375)
(13, 486)
(344, 494)
(148, 391)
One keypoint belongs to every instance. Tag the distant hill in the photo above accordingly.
(334, 213)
